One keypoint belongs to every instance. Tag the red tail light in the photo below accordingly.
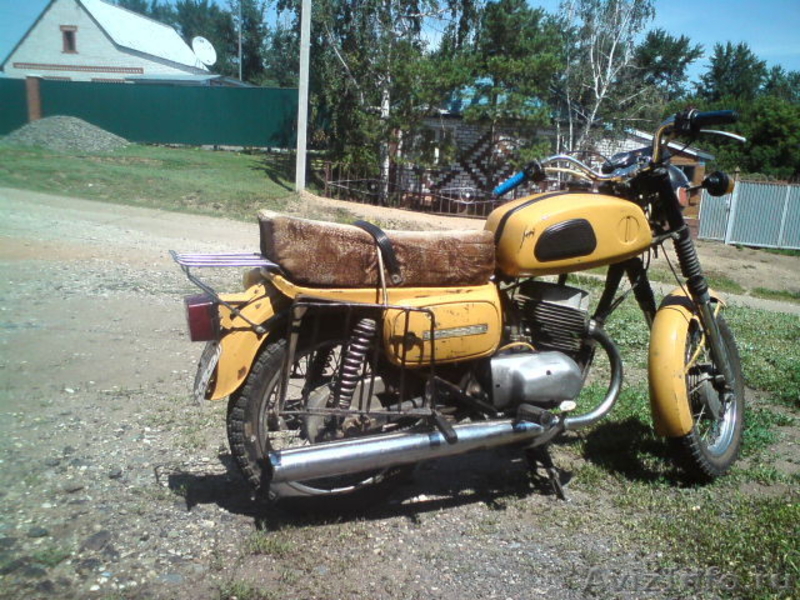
(203, 318)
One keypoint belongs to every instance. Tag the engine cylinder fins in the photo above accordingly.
(556, 316)
(554, 326)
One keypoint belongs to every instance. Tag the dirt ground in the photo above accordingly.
(112, 485)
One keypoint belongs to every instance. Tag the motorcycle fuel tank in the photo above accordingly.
(561, 232)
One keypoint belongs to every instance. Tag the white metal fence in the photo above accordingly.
(755, 214)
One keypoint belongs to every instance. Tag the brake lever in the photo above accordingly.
(733, 136)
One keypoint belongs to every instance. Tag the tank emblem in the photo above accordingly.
(452, 332)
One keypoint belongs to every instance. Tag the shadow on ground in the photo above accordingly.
(626, 449)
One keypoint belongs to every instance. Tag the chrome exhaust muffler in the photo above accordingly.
(384, 451)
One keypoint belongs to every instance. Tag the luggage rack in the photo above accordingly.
(223, 259)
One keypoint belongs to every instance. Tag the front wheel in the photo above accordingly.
(713, 443)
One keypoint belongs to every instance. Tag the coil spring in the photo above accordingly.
(353, 361)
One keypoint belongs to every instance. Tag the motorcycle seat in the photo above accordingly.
(323, 254)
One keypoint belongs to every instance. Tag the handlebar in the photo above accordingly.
(688, 122)
(510, 184)
(693, 121)
(533, 171)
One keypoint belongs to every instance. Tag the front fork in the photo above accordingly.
(698, 289)
(695, 281)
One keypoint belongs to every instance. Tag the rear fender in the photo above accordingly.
(669, 398)
(239, 344)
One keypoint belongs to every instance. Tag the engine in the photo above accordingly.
(555, 319)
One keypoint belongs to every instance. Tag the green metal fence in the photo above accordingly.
(177, 114)
(13, 107)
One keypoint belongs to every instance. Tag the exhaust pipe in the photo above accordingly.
(384, 451)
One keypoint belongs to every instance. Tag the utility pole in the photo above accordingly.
(302, 92)
(240, 40)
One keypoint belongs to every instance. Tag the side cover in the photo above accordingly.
(444, 327)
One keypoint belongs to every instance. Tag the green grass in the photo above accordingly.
(229, 184)
(746, 546)
(50, 557)
(242, 590)
(783, 295)
(768, 345)
(782, 251)
(271, 543)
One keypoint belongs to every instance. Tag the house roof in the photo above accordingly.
(142, 34)
(133, 31)
(189, 79)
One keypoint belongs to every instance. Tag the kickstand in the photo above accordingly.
(540, 456)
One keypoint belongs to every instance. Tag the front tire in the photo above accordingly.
(713, 444)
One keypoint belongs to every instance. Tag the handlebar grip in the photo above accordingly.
(510, 184)
(699, 120)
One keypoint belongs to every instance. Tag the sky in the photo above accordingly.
(770, 27)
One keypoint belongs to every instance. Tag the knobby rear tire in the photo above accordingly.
(250, 445)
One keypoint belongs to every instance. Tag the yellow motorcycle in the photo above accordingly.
(353, 354)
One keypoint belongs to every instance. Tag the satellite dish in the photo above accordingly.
(204, 51)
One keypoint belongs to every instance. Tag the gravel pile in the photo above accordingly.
(66, 134)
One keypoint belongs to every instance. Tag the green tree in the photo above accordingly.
(734, 72)
(516, 54)
(661, 60)
(163, 13)
(783, 85)
(773, 136)
(138, 6)
(282, 57)
(373, 78)
(254, 39)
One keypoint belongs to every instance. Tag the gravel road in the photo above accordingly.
(113, 485)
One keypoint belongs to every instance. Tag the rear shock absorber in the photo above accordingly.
(353, 361)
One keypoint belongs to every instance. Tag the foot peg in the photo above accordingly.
(535, 414)
(445, 428)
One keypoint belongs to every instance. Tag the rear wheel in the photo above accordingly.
(713, 444)
(257, 427)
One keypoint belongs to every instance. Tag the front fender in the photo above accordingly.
(669, 398)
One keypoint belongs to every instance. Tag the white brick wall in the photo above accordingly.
(41, 52)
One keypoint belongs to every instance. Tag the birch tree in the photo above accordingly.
(597, 87)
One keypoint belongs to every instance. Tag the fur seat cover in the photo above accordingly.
(322, 254)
